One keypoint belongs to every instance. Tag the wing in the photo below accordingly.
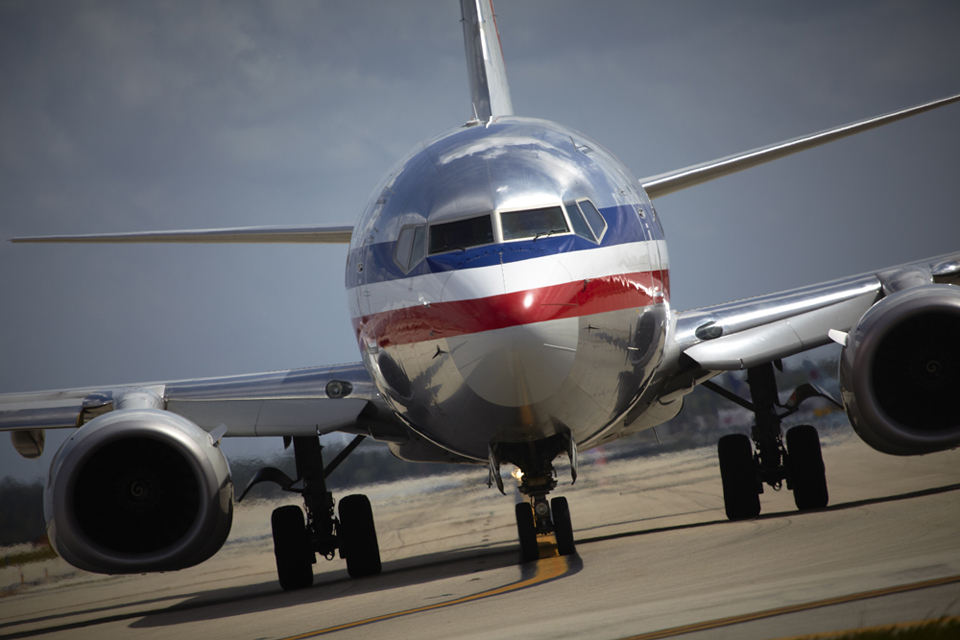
(743, 334)
(670, 182)
(296, 402)
(235, 235)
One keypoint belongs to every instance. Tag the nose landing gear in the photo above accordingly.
(530, 526)
(538, 519)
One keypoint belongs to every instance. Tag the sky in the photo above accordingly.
(119, 116)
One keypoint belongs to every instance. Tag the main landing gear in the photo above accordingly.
(297, 541)
(536, 517)
(799, 463)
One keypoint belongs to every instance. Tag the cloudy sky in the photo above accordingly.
(119, 116)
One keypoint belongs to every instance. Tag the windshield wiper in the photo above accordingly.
(548, 233)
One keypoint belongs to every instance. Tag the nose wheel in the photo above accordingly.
(532, 527)
(541, 524)
(527, 532)
(562, 527)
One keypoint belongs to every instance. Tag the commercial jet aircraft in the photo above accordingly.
(510, 294)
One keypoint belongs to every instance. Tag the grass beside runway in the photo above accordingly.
(807, 606)
(942, 629)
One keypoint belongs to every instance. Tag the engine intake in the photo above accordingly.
(138, 490)
(900, 372)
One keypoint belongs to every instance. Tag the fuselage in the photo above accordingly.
(508, 281)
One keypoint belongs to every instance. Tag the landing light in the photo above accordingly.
(338, 388)
(542, 509)
(517, 474)
(527, 301)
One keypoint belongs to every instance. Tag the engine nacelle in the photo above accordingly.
(138, 490)
(900, 372)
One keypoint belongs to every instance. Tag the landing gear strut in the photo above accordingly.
(297, 541)
(799, 463)
(536, 517)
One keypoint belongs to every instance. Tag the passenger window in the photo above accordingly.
(596, 221)
(580, 226)
(401, 254)
(461, 234)
(532, 223)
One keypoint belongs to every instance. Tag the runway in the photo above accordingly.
(656, 558)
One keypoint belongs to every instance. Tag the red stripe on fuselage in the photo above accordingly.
(460, 317)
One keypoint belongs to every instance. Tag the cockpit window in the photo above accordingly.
(532, 223)
(596, 221)
(401, 254)
(409, 249)
(580, 226)
(588, 224)
(419, 245)
(461, 234)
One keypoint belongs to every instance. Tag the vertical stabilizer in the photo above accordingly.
(489, 90)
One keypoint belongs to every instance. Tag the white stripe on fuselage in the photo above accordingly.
(512, 277)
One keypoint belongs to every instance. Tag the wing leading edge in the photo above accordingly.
(280, 403)
(673, 181)
(745, 333)
(234, 235)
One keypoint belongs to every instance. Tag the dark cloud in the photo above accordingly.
(118, 116)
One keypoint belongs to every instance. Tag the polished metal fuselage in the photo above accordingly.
(510, 340)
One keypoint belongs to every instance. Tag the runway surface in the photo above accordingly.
(656, 558)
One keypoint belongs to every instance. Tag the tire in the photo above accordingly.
(807, 473)
(291, 546)
(738, 471)
(357, 537)
(562, 528)
(527, 532)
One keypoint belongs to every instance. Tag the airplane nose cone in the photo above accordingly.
(519, 365)
(528, 348)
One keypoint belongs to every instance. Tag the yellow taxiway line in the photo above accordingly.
(549, 567)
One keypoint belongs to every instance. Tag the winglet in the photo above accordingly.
(487, 74)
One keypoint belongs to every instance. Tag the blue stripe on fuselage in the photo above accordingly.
(623, 227)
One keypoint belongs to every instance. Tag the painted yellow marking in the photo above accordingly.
(547, 546)
(806, 606)
(826, 635)
(547, 569)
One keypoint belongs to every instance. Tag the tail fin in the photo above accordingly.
(489, 90)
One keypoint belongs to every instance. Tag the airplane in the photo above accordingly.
(509, 290)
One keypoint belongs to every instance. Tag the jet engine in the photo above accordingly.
(138, 490)
(900, 371)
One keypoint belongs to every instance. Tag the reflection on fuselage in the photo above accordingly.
(520, 321)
